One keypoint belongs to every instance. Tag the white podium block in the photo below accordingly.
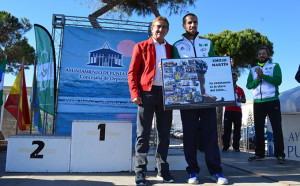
(101, 146)
(38, 153)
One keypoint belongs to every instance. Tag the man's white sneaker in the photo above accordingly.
(166, 177)
(193, 178)
(220, 179)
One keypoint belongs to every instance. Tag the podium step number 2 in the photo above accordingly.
(40, 147)
(38, 153)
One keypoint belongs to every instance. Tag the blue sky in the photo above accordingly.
(278, 20)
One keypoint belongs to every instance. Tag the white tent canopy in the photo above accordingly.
(290, 100)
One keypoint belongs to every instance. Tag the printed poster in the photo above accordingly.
(191, 83)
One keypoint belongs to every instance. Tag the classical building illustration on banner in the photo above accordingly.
(197, 83)
(106, 57)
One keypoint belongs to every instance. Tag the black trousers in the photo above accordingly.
(261, 111)
(190, 120)
(152, 103)
(229, 118)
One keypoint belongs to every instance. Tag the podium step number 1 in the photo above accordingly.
(101, 146)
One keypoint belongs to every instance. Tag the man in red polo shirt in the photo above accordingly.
(233, 114)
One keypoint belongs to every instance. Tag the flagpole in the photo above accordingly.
(33, 89)
(20, 94)
(44, 123)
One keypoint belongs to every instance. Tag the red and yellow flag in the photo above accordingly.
(13, 100)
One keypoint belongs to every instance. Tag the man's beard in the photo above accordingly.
(191, 34)
(263, 60)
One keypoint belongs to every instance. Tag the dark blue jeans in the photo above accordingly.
(190, 118)
(152, 103)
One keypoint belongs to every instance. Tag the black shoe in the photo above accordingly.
(140, 178)
(166, 177)
(256, 158)
(224, 150)
(237, 150)
(281, 160)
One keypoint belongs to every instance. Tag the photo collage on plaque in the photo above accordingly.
(180, 78)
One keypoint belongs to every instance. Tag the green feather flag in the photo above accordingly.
(2, 70)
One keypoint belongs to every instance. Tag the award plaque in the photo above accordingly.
(197, 83)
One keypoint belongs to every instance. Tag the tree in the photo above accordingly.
(250, 120)
(241, 46)
(12, 42)
(140, 7)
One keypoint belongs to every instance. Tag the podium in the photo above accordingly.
(94, 146)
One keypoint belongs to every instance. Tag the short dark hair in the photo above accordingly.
(263, 48)
(189, 14)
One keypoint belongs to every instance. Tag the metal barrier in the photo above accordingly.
(176, 135)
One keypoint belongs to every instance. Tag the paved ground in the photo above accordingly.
(239, 171)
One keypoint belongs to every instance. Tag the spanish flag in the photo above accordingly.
(13, 102)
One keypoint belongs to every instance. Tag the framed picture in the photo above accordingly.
(197, 83)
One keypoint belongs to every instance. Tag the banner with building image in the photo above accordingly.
(93, 78)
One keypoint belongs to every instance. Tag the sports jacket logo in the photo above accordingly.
(203, 45)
